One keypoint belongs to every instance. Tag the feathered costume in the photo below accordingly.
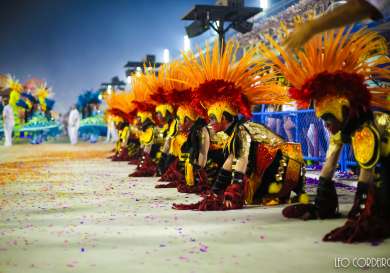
(92, 124)
(147, 165)
(260, 166)
(123, 111)
(32, 108)
(332, 72)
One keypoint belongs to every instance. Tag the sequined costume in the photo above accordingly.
(331, 73)
(226, 88)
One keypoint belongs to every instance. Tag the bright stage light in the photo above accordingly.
(109, 89)
(187, 43)
(138, 71)
(166, 56)
(264, 4)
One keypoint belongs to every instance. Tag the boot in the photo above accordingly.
(359, 201)
(222, 182)
(371, 224)
(325, 205)
(234, 193)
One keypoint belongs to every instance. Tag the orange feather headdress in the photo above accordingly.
(120, 104)
(332, 70)
(224, 83)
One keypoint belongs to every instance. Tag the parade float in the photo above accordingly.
(92, 124)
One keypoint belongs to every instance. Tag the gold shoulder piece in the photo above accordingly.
(262, 134)
(124, 133)
(292, 151)
(366, 146)
(172, 131)
(147, 136)
(218, 140)
(176, 143)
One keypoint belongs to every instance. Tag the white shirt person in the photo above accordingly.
(8, 123)
(73, 125)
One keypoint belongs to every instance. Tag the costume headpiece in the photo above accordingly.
(142, 101)
(157, 85)
(224, 83)
(42, 92)
(14, 88)
(120, 105)
(332, 70)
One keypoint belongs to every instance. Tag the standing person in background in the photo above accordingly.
(8, 122)
(112, 135)
(73, 125)
(273, 121)
(351, 12)
(288, 123)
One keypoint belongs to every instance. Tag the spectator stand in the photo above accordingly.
(308, 130)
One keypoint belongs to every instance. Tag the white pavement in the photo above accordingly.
(86, 215)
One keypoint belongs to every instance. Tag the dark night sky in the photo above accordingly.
(77, 44)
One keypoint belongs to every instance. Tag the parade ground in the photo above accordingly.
(68, 208)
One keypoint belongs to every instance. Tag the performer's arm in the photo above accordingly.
(351, 12)
(366, 175)
(332, 156)
(166, 145)
(243, 159)
(204, 147)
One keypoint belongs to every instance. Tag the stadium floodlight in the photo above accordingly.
(264, 4)
(128, 79)
(166, 56)
(187, 43)
(233, 12)
(138, 71)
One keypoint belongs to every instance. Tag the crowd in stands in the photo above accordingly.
(271, 24)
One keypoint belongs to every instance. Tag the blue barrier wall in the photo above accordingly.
(304, 127)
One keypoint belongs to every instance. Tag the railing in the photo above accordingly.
(304, 127)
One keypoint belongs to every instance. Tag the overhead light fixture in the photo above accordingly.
(243, 26)
(196, 28)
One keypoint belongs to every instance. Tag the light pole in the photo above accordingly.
(232, 12)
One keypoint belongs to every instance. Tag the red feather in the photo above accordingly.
(349, 85)
(220, 90)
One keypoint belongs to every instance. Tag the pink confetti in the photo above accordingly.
(203, 248)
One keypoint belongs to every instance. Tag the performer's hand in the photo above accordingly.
(228, 204)
(299, 36)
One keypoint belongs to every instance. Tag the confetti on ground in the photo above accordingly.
(69, 209)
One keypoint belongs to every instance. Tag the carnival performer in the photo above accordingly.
(159, 85)
(11, 110)
(147, 164)
(121, 111)
(8, 122)
(331, 73)
(73, 125)
(259, 167)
